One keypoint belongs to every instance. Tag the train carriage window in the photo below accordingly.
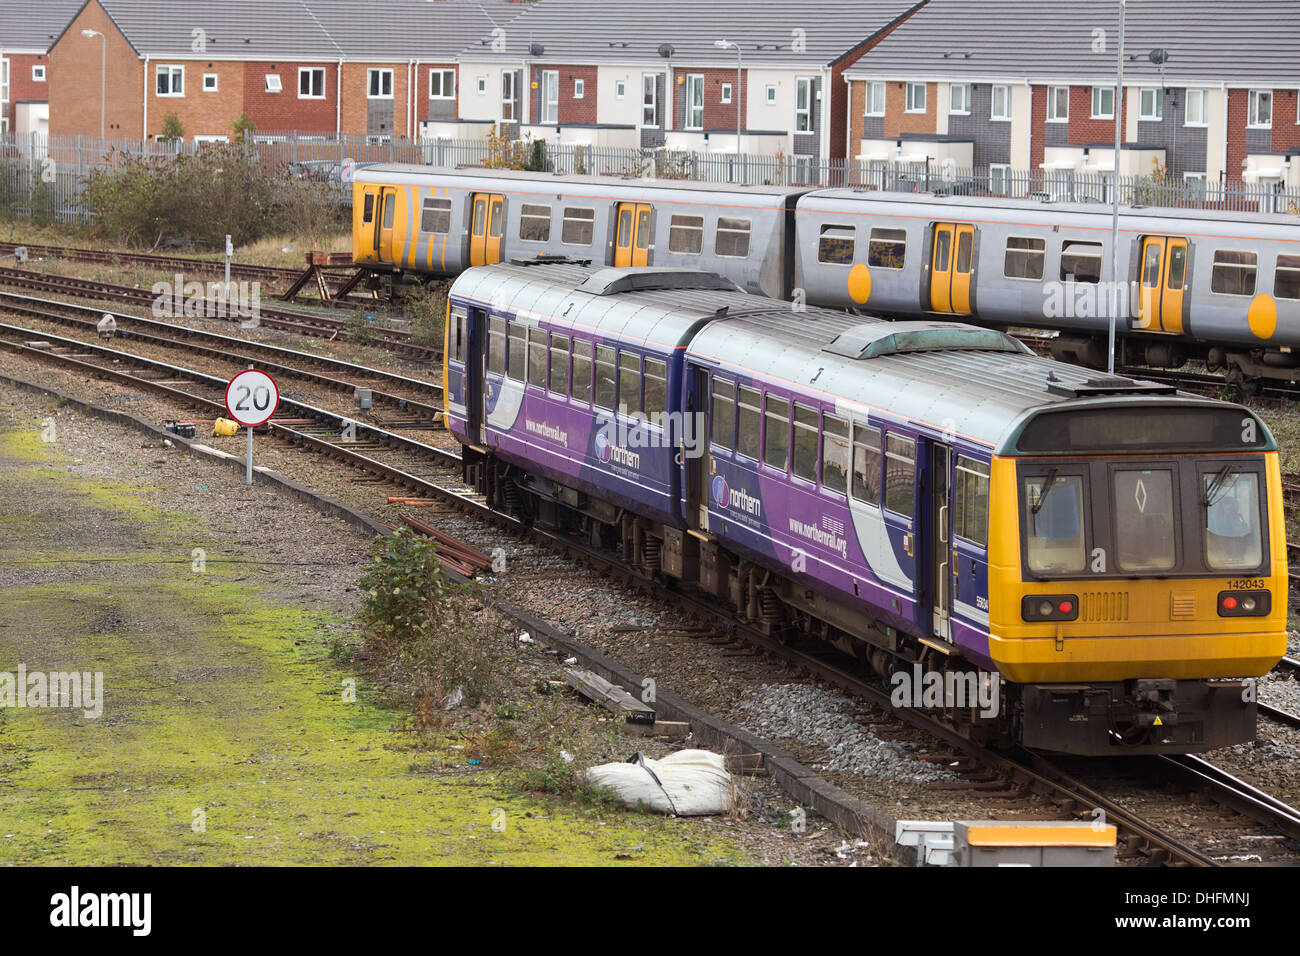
(732, 238)
(971, 500)
(458, 335)
(579, 226)
(805, 442)
(1234, 272)
(656, 387)
(606, 377)
(835, 454)
(1286, 281)
(496, 345)
(887, 248)
(495, 225)
(629, 383)
(1025, 258)
(1081, 262)
(1053, 523)
(518, 353)
(748, 422)
(686, 235)
(1177, 267)
(560, 364)
(723, 414)
(836, 245)
(643, 229)
(965, 250)
(776, 432)
(581, 371)
(537, 358)
(1144, 520)
(624, 228)
(534, 223)
(1151, 265)
(900, 475)
(436, 216)
(866, 464)
(1233, 541)
(368, 211)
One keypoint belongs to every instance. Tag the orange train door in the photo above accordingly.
(632, 243)
(1164, 278)
(486, 225)
(952, 263)
(384, 234)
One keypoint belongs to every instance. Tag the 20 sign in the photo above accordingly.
(252, 398)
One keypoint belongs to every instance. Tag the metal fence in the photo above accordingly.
(43, 176)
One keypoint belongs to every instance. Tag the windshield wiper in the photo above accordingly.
(1211, 493)
(1042, 494)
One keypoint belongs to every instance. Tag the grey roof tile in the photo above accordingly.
(32, 25)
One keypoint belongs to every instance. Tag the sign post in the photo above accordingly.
(251, 399)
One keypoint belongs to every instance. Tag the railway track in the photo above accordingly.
(396, 461)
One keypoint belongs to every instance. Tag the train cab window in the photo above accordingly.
(629, 383)
(368, 211)
(732, 238)
(1286, 281)
(606, 377)
(1144, 520)
(1053, 523)
(560, 364)
(776, 432)
(1233, 541)
(1234, 273)
(835, 454)
(971, 501)
(900, 475)
(748, 422)
(496, 345)
(887, 248)
(1081, 262)
(537, 358)
(1024, 258)
(581, 371)
(835, 246)
(534, 223)
(722, 412)
(866, 464)
(579, 226)
(517, 357)
(435, 216)
(805, 442)
(686, 235)
(656, 387)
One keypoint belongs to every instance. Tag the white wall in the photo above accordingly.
(1022, 125)
(609, 108)
(471, 104)
(1216, 134)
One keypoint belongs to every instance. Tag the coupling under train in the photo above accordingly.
(1218, 286)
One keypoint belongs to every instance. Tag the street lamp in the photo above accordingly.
(103, 59)
(722, 45)
(1114, 218)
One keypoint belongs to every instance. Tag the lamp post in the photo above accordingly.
(722, 45)
(103, 60)
(1115, 298)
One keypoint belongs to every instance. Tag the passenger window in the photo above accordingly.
(971, 500)
(835, 246)
(1081, 262)
(942, 251)
(722, 411)
(776, 433)
(458, 336)
(579, 226)
(686, 235)
(1177, 267)
(1286, 281)
(1234, 273)
(537, 358)
(1053, 524)
(732, 238)
(436, 216)
(1151, 267)
(965, 249)
(835, 454)
(1144, 520)
(624, 228)
(1233, 541)
(629, 383)
(866, 464)
(656, 387)
(389, 205)
(534, 223)
(1024, 258)
(496, 345)
(900, 475)
(887, 248)
(748, 422)
(805, 442)
(643, 229)
(518, 354)
(605, 377)
(560, 364)
(494, 230)
(582, 371)
(368, 212)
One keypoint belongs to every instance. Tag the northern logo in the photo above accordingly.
(603, 447)
(721, 493)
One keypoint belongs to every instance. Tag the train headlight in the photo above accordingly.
(1049, 607)
(1245, 603)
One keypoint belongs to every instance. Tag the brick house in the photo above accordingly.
(26, 31)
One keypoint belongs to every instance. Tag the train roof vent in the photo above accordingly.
(1108, 386)
(645, 279)
(877, 339)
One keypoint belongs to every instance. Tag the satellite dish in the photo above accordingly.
(666, 50)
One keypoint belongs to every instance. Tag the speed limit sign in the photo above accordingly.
(251, 399)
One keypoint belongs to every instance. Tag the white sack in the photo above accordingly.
(688, 783)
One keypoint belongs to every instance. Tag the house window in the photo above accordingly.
(38, 73)
(273, 83)
(508, 96)
(442, 84)
(999, 179)
(1196, 113)
(1151, 104)
(620, 90)
(915, 98)
(209, 82)
(4, 95)
(1001, 108)
(171, 81)
(771, 95)
(695, 101)
(380, 85)
(1103, 102)
(579, 89)
(1058, 104)
(726, 92)
(1260, 109)
(875, 99)
(311, 83)
(803, 97)
(959, 99)
(650, 100)
(550, 96)
(481, 87)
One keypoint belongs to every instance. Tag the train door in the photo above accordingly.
(487, 215)
(940, 539)
(387, 211)
(632, 243)
(952, 263)
(697, 458)
(1164, 278)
